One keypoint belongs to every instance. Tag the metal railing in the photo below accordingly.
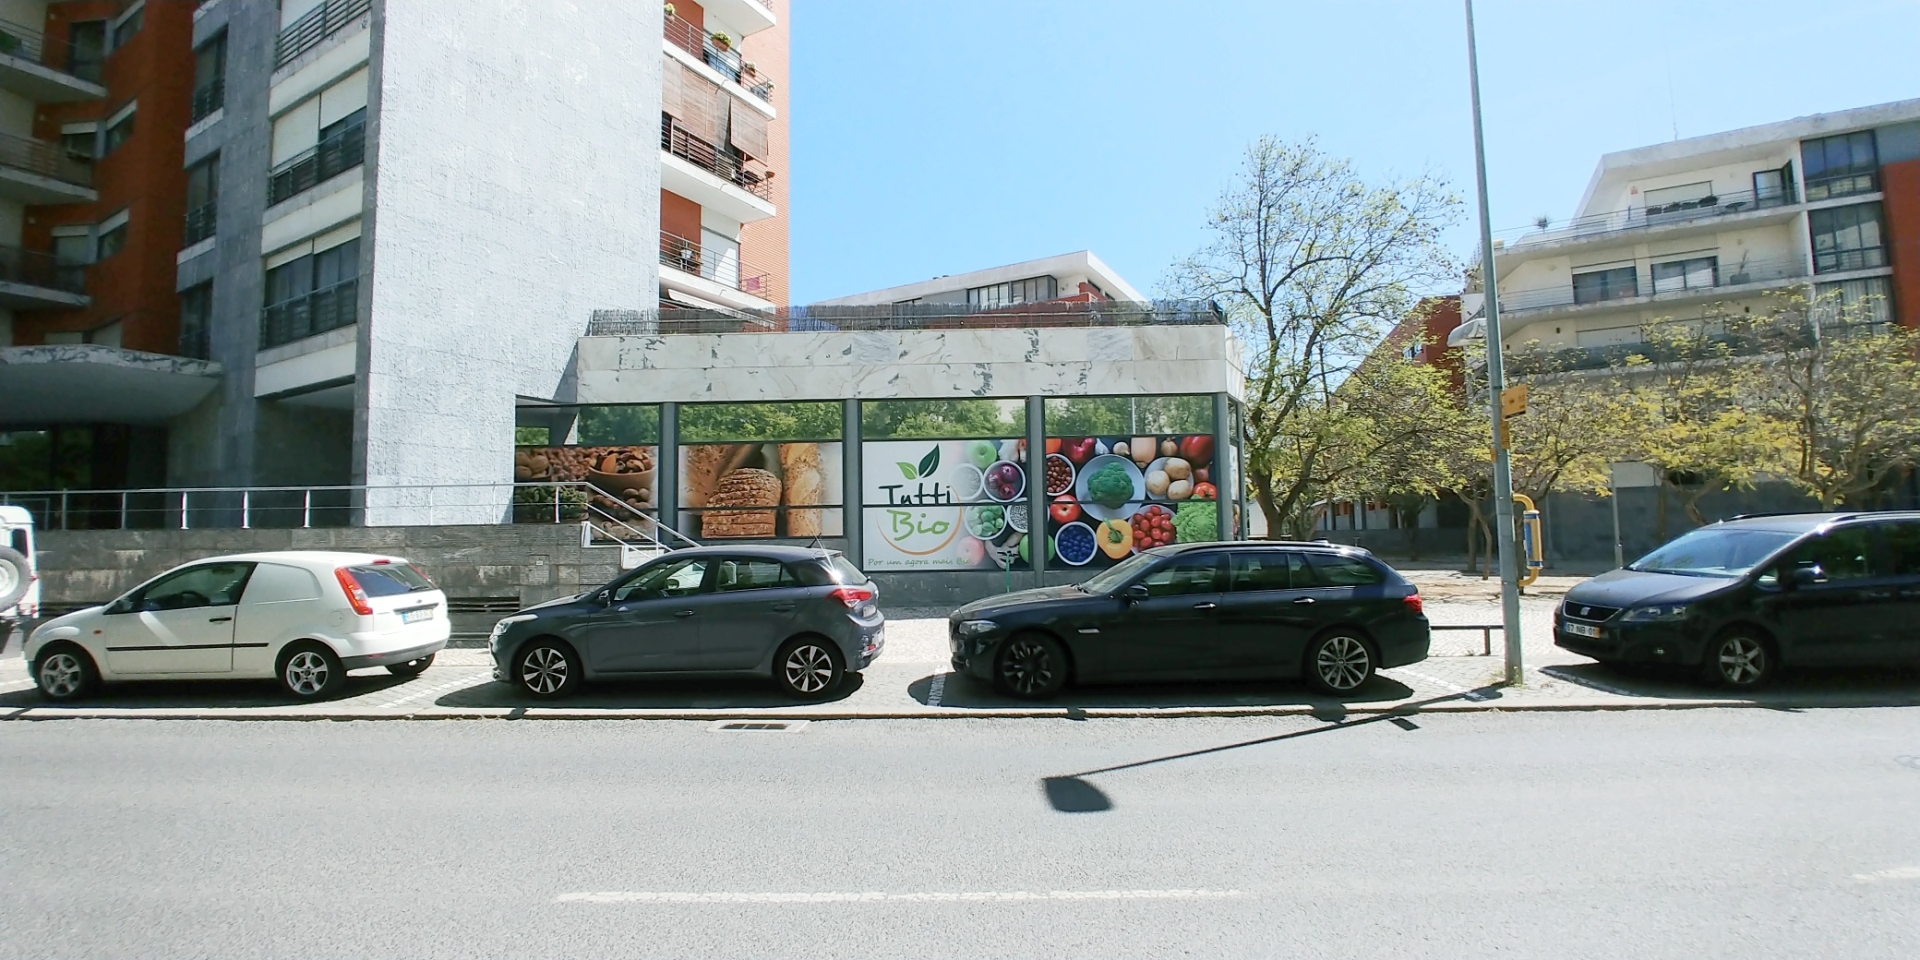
(29, 44)
(36, 269)
(906, 317)
(341, 151)
(728, 270)
(1646, 286)
(45, 159)
(316, 25)
(1840, 261)
(200, 222)
(1648, 217)
(683, 143)
(328, 308)
(208, 98)
(728, 62)
(1843, 185)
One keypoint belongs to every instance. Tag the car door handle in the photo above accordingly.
(219, 619)
(1304, 600)
(783, 608)
(683, 613)
(1205, 606)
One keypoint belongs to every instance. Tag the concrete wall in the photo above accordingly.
(514, 187)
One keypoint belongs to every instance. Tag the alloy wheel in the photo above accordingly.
(1027, 667)
(1343, 663)
(61, 675)
(307, 673)
(545, 671)
(809, 668)
(1743, 661)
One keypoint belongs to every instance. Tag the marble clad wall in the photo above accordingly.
(933, 364)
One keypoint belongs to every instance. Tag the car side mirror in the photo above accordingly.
(1138, 592)
(1806, 577)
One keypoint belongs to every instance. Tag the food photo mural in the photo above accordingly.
(619, 476)
(732, 491)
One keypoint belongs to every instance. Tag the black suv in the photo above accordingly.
(1742, 598)
(1211, 611)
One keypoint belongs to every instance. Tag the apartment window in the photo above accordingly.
(119, 128)
(196, 317)
(1031, 290)
(1697, 273)
(72, 251)
(87, 52)
(113, 236)
(80, 141)
(128, 25)
(1599, 285)
(1865, 305)
(312, 294)
(1771, 188)
(209, 76)
(319, 139)
(1840, 166)
(1847, 238)
(203, 195)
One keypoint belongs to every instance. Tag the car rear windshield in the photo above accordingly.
(1715, 552)
(389, 579)
(831, 570)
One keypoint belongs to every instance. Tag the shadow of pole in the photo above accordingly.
(1074, 795)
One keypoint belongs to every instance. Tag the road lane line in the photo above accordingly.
(936, 690)
(1450, 685)
(982, 896)
(1883, 876)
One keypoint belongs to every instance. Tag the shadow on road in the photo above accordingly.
(961, 691)
(652, 693)
(201, 694)
(1793, 689)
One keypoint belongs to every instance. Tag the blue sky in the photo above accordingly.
(934, 137)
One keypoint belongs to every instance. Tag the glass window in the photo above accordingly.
(1865, 305)
(336, 265)
(1842, 554)
(720, 422)
(1030, 290)
(751, 574)
(1270, 570)
(126, 29)
(196, 315)
(73, 248)
(942, 419)
(1847, 238)
(88, 53)
(1714, 552)
(1840, 166)
(120, 130)
(1342, 571)
(1614, 284)
(113, 240)
(1129, 416)
(203, 185)
(1903, 548)
(389, 579)
(81, 145)
(212, 585)
(1773, 187)
(1185, 577)
(1698, 273)
(674, 578)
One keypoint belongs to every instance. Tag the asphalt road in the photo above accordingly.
(1689, 834)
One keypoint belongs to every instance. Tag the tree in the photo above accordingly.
(1313, 265)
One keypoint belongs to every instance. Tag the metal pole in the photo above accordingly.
(1496, 382)
(1037, 488)
(306, 508)
(246, 509)
(853, 514)
(1613, 493)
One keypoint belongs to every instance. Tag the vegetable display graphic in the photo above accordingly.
(1115, 538)
(1110, 485)
(1196, 522)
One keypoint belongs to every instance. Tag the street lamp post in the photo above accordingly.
(1496, 382)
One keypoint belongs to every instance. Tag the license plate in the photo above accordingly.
(1582, 630)
(415, 616)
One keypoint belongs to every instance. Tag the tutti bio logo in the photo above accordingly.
(911, 528)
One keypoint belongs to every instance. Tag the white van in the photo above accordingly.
(19, 579)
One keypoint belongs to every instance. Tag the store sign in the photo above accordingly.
(943, 504)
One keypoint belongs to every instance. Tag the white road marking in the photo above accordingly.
(417, 694)
(936, 690)
(12, 685)
(985, 896)
(1450, 685)
(1882, 876)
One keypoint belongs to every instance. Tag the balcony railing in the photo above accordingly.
(722, 267)
(200, 222)
(36, 269)
(1723, 276)
(338, 153)
(316, 25)
(728, 63)
(907, 317)
(1842, 185)
(26, 43)
(328, 308)
(45, 159)
(1840, 261)
(1656, 215)
(208, 98)
(682, 143)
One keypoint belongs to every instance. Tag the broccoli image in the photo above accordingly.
(1110, 486)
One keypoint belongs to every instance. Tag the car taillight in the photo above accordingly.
(1414, 603)
(355, 595)
(852, 596)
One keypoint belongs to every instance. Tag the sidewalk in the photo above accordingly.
(911, 680)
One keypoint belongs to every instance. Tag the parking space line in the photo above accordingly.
(1448, 684)
(983, 896)
(458, 683)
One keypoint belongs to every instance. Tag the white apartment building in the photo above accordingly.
(1071, 276)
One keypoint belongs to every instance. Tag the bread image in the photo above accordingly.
(805, 485)
(705, 465)
(745, 487)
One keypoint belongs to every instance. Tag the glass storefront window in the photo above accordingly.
(761, 471)
(942, 419)
(573, 461)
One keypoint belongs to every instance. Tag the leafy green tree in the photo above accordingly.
(751, 422)
(942, 419)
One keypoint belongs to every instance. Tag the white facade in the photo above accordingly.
(1064, 275)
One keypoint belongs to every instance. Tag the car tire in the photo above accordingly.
(309, 670)
(412, 668)
(547, 669)
(809, 668)
(16, 577)
(1739, 660)
(65, 673)
(1031, 666)
(1339, 662)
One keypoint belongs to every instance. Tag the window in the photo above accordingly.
(209, 76)
(1840, 166)
(750, 574)
(1031, 290)
(80, 141)
(1185, 577)
(1847, 238)
(1842, 554)
(1857, 304)
(312, 294)
(1614, 284)
(1772, 188)
(196, 316)
(1270, 570)
(203, 192)
(113, 236)
(389, 579)
(119, 128)
(1342, 571)
(670, 579)
(1903, 548)
(212, 585)
(128, 26)
(319, 139)
(87, 55)
(1698, 273)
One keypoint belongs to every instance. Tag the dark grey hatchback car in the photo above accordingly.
(803, 617)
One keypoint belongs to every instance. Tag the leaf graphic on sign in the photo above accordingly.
(930, 462)
(907, 468)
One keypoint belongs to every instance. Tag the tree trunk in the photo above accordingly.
(1263, 495)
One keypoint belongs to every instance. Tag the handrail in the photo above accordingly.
(343, 150)
(314, 26)
(208, 98)
(728, 63)
(46, 159)
(683, 143)
(1645, 285)
(29, 44)
(1646, 217)
(33, 268)
(200, 222)
(688, 256)
(318, 311)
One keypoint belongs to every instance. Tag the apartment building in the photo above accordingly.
(1072, 277)
(1826, 204)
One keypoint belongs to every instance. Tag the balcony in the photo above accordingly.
(328, 308)
(713, 273)
(200, 222)
(35, 172)
(316, 25)
(1634, 219)
(728, 63)
(208, 98)
(32, 280)
(747, 16)
(1843, 261)
(339, 152)
(1717, 281)
(1842, 185)
(45, 71)
(714, 178)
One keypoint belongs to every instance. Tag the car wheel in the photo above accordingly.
(310, 671)
(1339, 663)
(65, 673)
(547, 669)
(1031, 666)
(1739, 660)
(808, 668)
(412, 668)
